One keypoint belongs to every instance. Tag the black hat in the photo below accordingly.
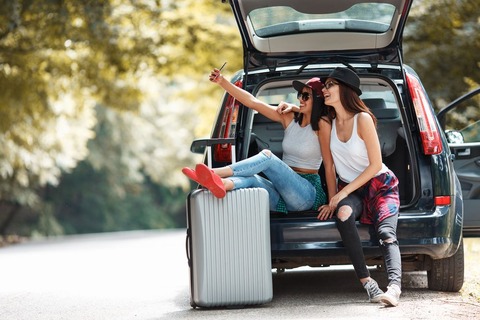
(346, 76)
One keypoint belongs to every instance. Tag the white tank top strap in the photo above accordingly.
(350, 157)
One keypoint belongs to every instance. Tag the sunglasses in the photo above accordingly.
(303, 95)
(330, 84)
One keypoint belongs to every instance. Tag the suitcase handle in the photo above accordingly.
(200, 145)
(187, 247)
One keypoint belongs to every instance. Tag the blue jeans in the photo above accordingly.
(297, 192)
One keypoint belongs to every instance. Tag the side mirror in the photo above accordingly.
(454, 136)
(198, 146)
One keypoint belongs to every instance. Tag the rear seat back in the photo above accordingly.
(388, 124)
(268, 135)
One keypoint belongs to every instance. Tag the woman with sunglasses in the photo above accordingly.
(293, 183)
(367, 189)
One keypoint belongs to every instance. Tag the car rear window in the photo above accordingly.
(276, 95)
(283, 20)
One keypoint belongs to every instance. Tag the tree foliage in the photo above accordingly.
(442, 43)
(87, 203)
(58, 59)
(70, 69)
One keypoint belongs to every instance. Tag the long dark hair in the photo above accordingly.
(319, 111)
(351, 102)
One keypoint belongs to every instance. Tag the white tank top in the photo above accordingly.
(351, 157)
(301, 148)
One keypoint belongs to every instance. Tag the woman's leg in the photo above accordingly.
(218, 180)
(297, 192)
(348, 210)
(256, 181)
(246, 167)
(387, 238)
(384, 204)
(386, 232)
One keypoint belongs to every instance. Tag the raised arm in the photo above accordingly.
(248, 100)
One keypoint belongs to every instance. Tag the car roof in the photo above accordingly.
(278, 33)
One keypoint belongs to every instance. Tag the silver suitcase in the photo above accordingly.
(228, 248)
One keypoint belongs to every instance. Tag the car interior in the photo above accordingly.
(268, 134)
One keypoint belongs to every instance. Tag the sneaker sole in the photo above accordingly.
(190, 173)
(389, 302)
(208, 179)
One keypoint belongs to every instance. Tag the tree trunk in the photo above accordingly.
(8, 219)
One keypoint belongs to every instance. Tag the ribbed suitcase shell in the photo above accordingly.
(229, 248)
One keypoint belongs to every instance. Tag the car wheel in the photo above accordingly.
(447, 274)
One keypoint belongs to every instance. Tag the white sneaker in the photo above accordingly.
(392, 296)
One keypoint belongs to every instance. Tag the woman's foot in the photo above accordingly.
(191, 174)
(374, 292)
(392, 296)
(207, 178)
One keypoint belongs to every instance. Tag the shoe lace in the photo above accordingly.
(372, 289)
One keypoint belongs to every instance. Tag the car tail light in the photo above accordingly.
(431, 141)
(223, 152)
(442, 200)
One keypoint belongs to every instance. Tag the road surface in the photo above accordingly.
(144, 275)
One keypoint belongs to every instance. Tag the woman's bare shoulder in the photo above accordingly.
(364, 118)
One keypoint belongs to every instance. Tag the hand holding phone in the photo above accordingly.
(214, 74)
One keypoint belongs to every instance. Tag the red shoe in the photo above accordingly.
(191, 174)
(210, 180)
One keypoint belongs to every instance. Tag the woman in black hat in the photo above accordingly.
(293, 184)
(367, 189)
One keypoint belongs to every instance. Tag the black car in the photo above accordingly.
(300, 39)
(461, 122)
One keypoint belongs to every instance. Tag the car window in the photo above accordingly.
(275, 95)
(276, 20)
(386, 95)
(465, 118)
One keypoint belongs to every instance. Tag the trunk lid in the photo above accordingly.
(279, 33)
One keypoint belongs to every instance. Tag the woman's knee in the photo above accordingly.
(386, 235)
(267, 152)
(344, 212)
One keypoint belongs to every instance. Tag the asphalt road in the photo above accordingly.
(144, 275)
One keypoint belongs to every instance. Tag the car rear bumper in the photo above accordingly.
(436, 234)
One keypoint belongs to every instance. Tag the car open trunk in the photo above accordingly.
(380, 94)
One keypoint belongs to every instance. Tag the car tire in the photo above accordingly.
(447, 274)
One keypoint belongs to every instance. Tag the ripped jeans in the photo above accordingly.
(297, 192)
(381, 231)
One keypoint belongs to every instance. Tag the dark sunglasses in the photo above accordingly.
(330, 84)
(303, 95)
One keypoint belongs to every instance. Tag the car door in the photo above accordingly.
(461, 122)
(280, 33)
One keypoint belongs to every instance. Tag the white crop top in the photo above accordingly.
(301, 148)
(351, 157)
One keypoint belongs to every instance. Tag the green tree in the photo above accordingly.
(61, 59)
(86, 203)
(442, 43)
